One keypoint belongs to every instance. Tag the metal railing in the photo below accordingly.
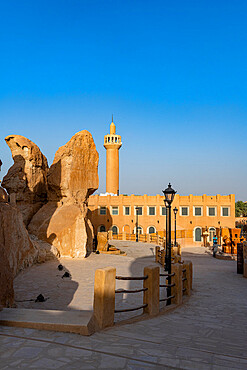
(131, 291)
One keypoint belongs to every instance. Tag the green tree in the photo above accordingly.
(240, 209)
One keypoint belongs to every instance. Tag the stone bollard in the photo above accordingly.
(177, 258)
(157, 251)
(177, 280)
(104, 297)
(151, 296)
(162, 257)
(110, 235)
(188, 274)
(245, 259)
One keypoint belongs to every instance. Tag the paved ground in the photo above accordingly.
(207, 332)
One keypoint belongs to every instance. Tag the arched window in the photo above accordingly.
(114, 230)
(151, 230)
(212, 232)
(101, 228)
(139, 229)
(198, 234)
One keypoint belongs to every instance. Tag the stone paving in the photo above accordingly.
(206, 332)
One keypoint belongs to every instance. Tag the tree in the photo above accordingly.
(240, 209)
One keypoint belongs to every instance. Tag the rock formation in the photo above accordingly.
(27, 178)
(18, 249)
(72, 178)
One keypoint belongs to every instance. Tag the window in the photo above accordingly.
(151, 230)
(211, 211)
(197, 211)
(151, 211)
(126, 210)
(198, 234)
(102, 211)
(163, 211)
(114, 230)
(225, 211)
(184, 211)
(114, 210)
(102, 228)
(139, 210)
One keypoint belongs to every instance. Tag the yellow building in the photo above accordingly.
(118, 213)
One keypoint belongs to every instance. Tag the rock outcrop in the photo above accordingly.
(18, 249)
(26, 180)
(72, 178)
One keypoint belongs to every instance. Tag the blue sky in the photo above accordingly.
(173, 73)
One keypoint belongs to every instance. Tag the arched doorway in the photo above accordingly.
(198, 234)
(101, 229)
(114, 230)
(212, 232)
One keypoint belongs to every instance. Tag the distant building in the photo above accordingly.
(118, 213)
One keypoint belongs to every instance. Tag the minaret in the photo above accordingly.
(112, 143)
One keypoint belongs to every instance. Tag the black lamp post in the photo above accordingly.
(169, 194)
(137, 212)
(175, 210)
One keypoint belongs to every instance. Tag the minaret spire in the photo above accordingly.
(112, 144)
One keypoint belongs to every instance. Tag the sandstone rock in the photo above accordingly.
(3, 195)
(16, 250)
(14, 239)
(72, 177)
(46, 251)
(102, 242)
(6, 279)
(27, 178)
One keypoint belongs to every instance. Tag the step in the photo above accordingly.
(79, 322)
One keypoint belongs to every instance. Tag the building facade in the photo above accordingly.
(119, 212)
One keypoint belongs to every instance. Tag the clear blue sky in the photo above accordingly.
(173, 73)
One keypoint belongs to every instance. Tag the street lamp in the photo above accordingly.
(175, 210)
(137, 212)
(169, 194)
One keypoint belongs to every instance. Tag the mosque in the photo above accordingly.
(118, 213)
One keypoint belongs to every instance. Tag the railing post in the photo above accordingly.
(151, 296)
(177, 290)
(245, 259)
(157, 251)
(157, 235)
(177, 258)
(110, 235)
(188, 274)
(124, 236)
(148, 238)
(104, 297)
(162, 257)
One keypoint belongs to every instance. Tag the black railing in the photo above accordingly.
(131, 291)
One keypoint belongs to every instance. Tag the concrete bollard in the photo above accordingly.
(157, 251)
(177, 280)
(245, 259)
(104, 296)
(151, 296)
(177, 258)
(187, 284)
(163, 255)
(110, 235)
